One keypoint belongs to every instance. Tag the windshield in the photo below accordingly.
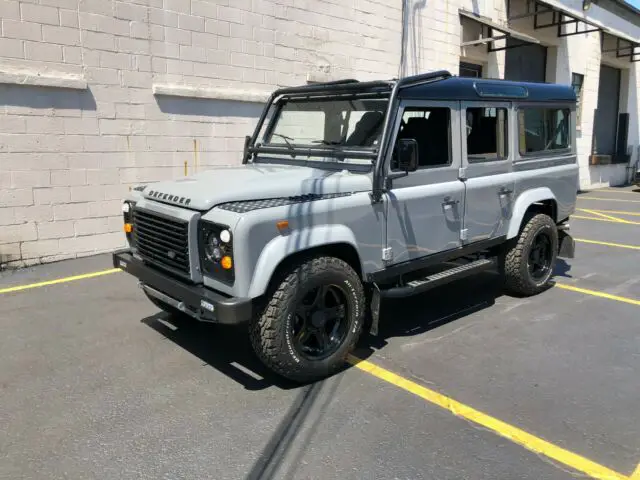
(327, 129)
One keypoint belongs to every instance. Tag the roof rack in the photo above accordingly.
(423, 78)
(335, 86)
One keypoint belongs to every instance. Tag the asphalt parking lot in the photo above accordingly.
(462, 382)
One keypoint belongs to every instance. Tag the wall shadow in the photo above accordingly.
(46, 97)
(208, 107)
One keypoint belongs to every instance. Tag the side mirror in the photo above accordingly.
(407, 154)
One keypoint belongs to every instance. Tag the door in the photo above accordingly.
(488, 170)
(526, 63)
(606, 118)
(425, 208)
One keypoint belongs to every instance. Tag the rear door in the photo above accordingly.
(487, 169)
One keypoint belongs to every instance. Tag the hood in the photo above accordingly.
(205, 190)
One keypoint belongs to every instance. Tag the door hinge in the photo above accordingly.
(464, 234)
(387, 254)
(462, 173)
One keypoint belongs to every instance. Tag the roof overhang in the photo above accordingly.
(563, 15)
(492, 27)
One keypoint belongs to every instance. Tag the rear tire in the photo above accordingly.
(311, 321)
(528, 261)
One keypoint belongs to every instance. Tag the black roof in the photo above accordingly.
(469, 88)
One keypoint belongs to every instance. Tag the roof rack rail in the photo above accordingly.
(423, 78)
(335, 86)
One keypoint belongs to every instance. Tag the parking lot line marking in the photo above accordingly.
(635, 475)
(596, 293)
(610, 217)
(608, 199)
(618, 212)
(608, 244)
(611, 190)
(581, 217)
(515, 434)
(59, 280)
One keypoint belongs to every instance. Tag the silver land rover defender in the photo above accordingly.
(350, 192)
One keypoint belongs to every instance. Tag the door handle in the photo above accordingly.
(448, 203)
(505, 191)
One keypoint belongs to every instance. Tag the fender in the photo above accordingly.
(297, 241)
(523, 202)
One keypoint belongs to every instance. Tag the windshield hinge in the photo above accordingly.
(462, 173)
(387, 254)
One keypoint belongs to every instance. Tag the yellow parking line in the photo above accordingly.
(596, 293)
(611, 190)
(604, 220)
(515, 434)
(59, 280)
(635, 475)
(608, 199)
(618, 212)
(610, 217)
(608, 244)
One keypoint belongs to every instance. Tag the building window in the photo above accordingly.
(470, 70)
(486, 134)
(543, 129)
(577, 80)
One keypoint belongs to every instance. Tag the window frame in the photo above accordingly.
(507, 124)
(579, 94)
(544, 153)
(424, 105)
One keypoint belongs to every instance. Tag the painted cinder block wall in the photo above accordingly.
(97, 121)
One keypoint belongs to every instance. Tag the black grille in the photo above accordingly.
(162, 241)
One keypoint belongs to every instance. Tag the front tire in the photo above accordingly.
(312, 320)
(529, 260)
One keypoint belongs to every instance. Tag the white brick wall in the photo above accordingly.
(68, 156)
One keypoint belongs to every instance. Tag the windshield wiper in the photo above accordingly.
(327, 142)
(289, 144)
(285, 138)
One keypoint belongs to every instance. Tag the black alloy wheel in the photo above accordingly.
(320, 322)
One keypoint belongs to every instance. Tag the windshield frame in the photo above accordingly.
(260, 153)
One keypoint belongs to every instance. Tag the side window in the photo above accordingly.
(487, 134)
(543, 130)
(431, 128)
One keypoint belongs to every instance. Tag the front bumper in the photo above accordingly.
(195, 300)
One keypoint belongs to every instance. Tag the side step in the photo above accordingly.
(422, 285)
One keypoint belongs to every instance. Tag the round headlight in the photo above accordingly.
(225, 236)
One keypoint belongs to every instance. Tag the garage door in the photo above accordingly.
(526, 63)
(606, 116)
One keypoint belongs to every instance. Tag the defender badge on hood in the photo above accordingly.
(169, 198)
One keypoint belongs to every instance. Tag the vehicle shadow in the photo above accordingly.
(431, 310)
(225, 348)
(228, 350)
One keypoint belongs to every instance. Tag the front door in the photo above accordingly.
(425, 208)
(487, 163)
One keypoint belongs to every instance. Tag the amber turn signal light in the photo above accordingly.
(226, 263)
(128, 228)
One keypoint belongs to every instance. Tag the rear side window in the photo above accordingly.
(486, 134)
(543, 130)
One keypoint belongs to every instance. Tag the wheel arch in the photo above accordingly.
(283, 252)
(539, 200)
